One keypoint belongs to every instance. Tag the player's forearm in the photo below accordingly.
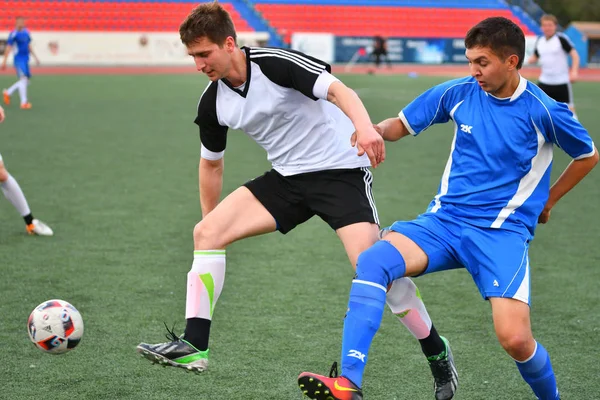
(570, 177)
(33, 54)
(575, 63)
(393, 129)
(348, 101)
(210, 175)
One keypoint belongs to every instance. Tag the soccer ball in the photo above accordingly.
(55, 326)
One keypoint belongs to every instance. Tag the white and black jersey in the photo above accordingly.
(283, 107)
(553, 58)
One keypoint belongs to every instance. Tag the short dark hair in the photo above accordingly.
(501, 35)
(209, 20)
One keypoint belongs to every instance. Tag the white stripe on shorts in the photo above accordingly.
(522, 293)
(368, 179)
(571, 103)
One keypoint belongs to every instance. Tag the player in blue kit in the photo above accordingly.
(494, 190)
(22, 40)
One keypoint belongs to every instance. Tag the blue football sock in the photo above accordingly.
(377, 267)
(538, 373)
(365, 310)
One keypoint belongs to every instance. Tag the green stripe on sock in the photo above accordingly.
(209, 284)
(209, 252)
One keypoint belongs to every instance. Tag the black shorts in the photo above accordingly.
(341, 197)
(562, 93)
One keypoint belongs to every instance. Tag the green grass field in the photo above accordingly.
(110, 162)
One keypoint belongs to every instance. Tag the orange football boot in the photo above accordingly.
(334, 387)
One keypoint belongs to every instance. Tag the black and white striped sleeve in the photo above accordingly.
(565, 42)
(213, 136)
(293, 69)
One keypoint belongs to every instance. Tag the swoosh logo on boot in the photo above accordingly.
(342, 388)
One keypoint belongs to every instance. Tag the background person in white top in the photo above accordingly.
(304, 118)
(552, 51)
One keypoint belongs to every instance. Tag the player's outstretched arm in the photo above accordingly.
(367, 139)
(570, 177)
(1, 114)
(210, 176)
(392, 129)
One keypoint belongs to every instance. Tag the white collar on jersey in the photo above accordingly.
(519, 91)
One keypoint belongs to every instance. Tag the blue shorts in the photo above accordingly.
(497, 259)
(22, 68)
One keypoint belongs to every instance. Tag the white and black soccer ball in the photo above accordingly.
(55, 326)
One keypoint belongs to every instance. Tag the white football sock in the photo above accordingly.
(23, 90)
(12, 191)
(205, 283)
(14, 87)
(404, 300)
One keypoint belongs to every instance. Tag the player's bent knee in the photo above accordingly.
(207, 237)
(400, 292)
(519, 345)
(382, 263)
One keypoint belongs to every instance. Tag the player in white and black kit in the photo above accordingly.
(552, 51)
(304, 118)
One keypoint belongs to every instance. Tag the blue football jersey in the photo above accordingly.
(498, 172)
(20, 40)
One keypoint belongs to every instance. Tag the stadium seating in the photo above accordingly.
(401, 3)
(405, 18)
(363, 20)
(147, 16)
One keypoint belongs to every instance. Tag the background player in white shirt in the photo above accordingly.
(552, 51)
(304, 118)
(12, 191)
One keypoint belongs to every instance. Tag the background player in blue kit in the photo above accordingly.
(22, 40)
(493, 192)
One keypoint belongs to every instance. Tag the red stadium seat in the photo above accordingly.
(103, 16)
(337, 19)
(372, 20)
